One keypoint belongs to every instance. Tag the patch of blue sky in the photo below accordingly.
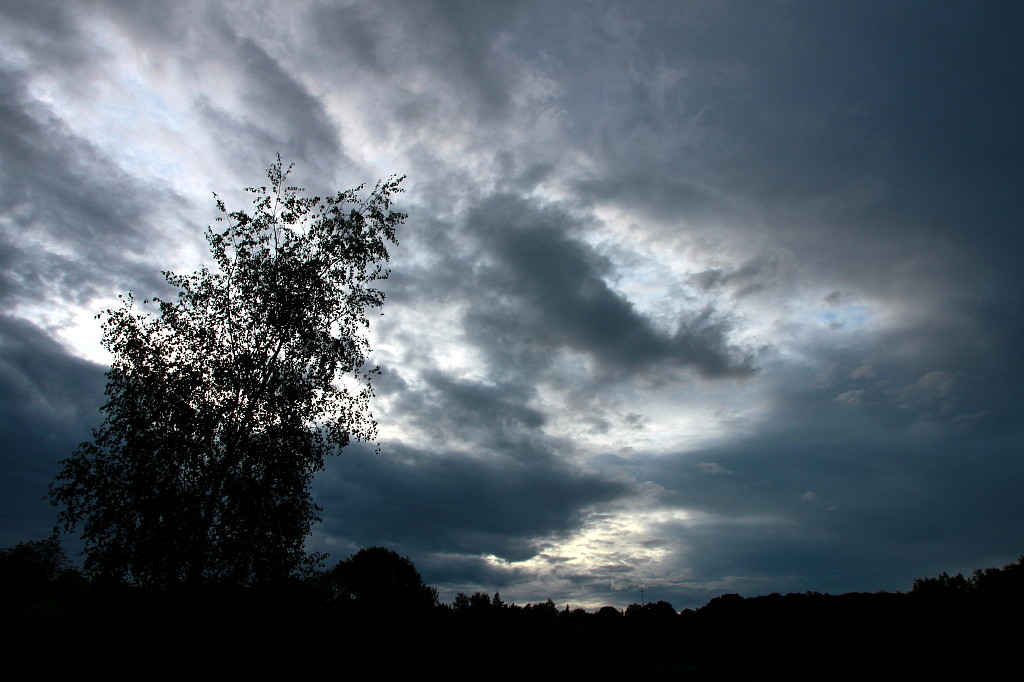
(156, 128)
(852, 317)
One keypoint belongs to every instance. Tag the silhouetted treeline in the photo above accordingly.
(373, 613)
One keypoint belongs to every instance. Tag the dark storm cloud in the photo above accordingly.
(751, 277)
(494, 417)
(49, 31)
(914, 474)
(485, 481)
(456, 40)
(856, 510)
(858, 133)
(280, 114)
(469, 571)
(49, 402)
(426, 499)
(546, 291)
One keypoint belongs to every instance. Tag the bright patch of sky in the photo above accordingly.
(617, 550)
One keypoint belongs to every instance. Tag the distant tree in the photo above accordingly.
(29, 567)
(1005, 585)
(461, 602)
(660, 609)
(41, 559)
(545, 609)
(725, 606)
(378, 579)
(577, 615)
(222, 407)
(480, 601)
(942, 588)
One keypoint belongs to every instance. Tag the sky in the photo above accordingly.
(694, 297)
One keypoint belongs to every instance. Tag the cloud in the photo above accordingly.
(749, 278)
(428, 500)
(265, 108)
(50, 401)
(852, 397)
(70, 227)
(881, 493)
(548, 291)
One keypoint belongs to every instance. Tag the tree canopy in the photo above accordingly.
(377, 578)
(222, 405)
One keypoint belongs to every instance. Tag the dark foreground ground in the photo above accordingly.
(63, 627)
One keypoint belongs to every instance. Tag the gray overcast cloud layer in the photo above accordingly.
(698, 297)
